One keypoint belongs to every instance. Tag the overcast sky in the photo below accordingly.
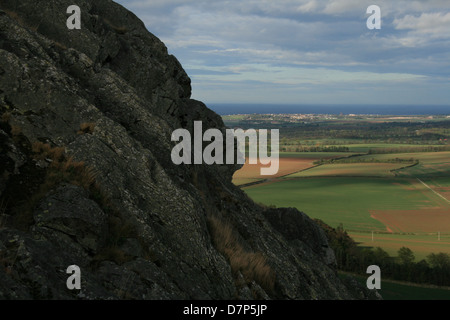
(306, 51)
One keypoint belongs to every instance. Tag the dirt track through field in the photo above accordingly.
(433, 190)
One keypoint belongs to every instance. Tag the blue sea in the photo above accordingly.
(228, 109)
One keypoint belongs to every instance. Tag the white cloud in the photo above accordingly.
(295, 43)
(344, 6)
(432, 24)
(421, 31)
(291, 57)
(310, 6)
(301, 76)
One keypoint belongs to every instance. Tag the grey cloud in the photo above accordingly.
(206, 35)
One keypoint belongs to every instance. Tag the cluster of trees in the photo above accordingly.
(435, 269)
(409, 149)
(315, 149)
(366, 160)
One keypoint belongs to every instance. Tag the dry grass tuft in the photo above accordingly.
(253, 266)
(59, 45)
(20, 21)
(117, 29)
(15, 16)
(61, 169)
(87, 127)
(43, 151)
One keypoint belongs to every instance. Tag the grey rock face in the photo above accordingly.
(68, 211)
(145, 235)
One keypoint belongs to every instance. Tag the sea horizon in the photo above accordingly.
(394, 110)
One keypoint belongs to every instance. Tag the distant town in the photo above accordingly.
(295, 118)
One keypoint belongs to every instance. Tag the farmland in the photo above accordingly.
(288, 163)
(394, 183)
(353, 170)
(367, 197)
(422, 244)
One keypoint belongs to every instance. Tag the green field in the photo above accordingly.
(431, 164)
(351, 169)
(346, 200)
(412, 205)
(396, 291)
(422, 244)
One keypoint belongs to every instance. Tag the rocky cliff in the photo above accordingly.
(86, 176)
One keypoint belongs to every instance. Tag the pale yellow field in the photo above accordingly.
(252, 172)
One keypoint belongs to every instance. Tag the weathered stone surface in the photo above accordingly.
(146, 234)
(69, 211)
(294, 225)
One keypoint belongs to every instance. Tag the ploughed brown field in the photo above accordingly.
(252, 172)
(423, 220)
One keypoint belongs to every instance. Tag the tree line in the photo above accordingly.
(434, 270)
(390, 132)
(409, 149)
(366, 160)
(315, 149)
